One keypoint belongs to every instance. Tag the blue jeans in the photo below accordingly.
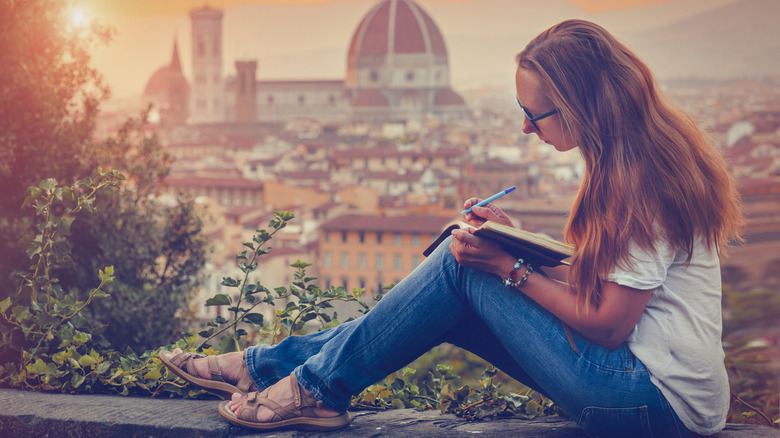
(608, 393)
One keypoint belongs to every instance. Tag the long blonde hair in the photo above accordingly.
(650, 172)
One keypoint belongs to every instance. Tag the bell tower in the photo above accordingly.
(207, 105)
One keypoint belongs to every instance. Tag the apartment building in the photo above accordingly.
(363, 251)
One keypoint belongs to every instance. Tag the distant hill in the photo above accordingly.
(741, 39)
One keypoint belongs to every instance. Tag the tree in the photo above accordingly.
(49, 101)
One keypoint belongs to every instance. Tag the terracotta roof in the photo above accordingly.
(411, 224)
(393, 176)
(369, 98)
(322, 175)
(240, 183)
(448, 96)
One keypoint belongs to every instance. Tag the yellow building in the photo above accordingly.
(362, 251)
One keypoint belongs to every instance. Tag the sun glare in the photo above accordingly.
(78, 17)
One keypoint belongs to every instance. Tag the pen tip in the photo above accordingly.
(510, 189)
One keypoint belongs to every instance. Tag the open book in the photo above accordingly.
(536, 249)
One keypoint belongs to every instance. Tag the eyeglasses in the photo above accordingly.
(533, 119)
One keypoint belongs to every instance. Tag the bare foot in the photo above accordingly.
(281, 393)
(229, 363)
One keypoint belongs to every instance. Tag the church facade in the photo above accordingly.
(397, 70)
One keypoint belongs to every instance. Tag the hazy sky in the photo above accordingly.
(308, 39)
(178, 7)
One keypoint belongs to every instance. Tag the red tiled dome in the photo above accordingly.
(396, 26)
(169, 80)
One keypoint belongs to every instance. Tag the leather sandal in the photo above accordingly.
(296, 415)
(182, 363)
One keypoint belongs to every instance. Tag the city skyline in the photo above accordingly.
(294, 42)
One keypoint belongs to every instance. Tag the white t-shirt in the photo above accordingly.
(678, 337)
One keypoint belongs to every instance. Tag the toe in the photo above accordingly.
(235, 402)
(176, 351)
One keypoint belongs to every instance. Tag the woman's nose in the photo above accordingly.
(528, 127)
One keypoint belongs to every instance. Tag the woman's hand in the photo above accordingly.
(489, 212)
(480, 253)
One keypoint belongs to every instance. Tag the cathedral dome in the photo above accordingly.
(169, 90)
(397, 45)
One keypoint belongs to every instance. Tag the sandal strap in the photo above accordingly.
(186, 361)
(214, 369)
(300, 407)
(248, 410)
(245, 383)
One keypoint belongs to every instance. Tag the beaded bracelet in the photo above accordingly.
(510, 281)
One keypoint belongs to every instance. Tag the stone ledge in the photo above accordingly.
(35, 414)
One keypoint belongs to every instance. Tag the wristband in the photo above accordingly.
(512, 280)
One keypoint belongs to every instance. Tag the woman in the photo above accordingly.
(642, 295)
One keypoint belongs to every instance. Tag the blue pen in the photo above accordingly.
(488, 200)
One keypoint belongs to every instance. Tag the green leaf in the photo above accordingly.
(229, 282)
(103, 367)
(219, 300)
(21, 313)
(60, 248)
(48, 184)
(5, 304)
(254, 318)
(87, 360)
(107, 274)
(153, 374)
(77, 380)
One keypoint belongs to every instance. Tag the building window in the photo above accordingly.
(343, 236)
(270, 99)
(379, 286)
(415, 240)
(362, 237)
(327, 283)
(201, 48)
(345, 260)
(362, 283)
(374, 76)
(416, 261)
(380, 263)
(410, 76)
(327, 236)
(301, 99)
(332, 100)
(397, 262)
(362, 261)
(379, 237)
(344, 282)
(326, 259)
(397, 239)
